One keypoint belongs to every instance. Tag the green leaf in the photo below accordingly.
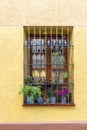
(45, 33)
(65, 75)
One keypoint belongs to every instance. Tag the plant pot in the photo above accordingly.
(40, 100)
(53, 100)
(63, 100)
(29, 100)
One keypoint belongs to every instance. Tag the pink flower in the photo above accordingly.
(63, 92)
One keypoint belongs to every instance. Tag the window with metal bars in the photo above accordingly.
(48, 65)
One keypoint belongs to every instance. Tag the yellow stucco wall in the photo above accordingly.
(43, 12)
(15, 14)
(11, 77)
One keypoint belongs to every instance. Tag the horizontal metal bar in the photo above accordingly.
(55, 84)
(49, 64)
(49, 45)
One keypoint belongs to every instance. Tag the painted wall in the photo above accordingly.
(43, 12)
(11, 77)
(15, 14)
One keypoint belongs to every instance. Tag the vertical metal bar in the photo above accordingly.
(45, 58)
(62, 48)
(71, 72)
(40, 52)
(57, 62)
(35, 54)
(59, 65)
(62, 64)
(24, 70)
(51, 53)
(28, 50)
(68, 47)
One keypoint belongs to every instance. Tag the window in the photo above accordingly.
(48, 65)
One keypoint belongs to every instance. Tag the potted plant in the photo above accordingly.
(65, 74)
(31, 93)
(63, 94)
(29, 80)
(52, 97)
(62, 59)
(41, 82)
(45, 33)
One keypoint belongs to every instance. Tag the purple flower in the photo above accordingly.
(63, 92)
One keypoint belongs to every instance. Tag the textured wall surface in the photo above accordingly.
(15, 14)
(11, 77)
(43, 12)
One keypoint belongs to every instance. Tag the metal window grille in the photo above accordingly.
(48, 64)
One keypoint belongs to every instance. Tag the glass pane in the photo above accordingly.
(57, 77)
(61, 79)
(54, 76)
(43, 61)
(38, 61)
(34, 61)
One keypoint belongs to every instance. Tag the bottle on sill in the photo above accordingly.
(43, 50)
(54, 42)
(64, 42)
(48, 42)
(60, 42)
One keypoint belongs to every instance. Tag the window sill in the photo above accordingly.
(71, 104)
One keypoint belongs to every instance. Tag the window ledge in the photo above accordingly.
(71, 104)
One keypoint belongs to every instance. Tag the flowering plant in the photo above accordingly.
(63, 92)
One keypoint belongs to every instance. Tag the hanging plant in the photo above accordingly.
(65, 75)
(59, 53)
(62, 59)
(54, 53)
(45, 33)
